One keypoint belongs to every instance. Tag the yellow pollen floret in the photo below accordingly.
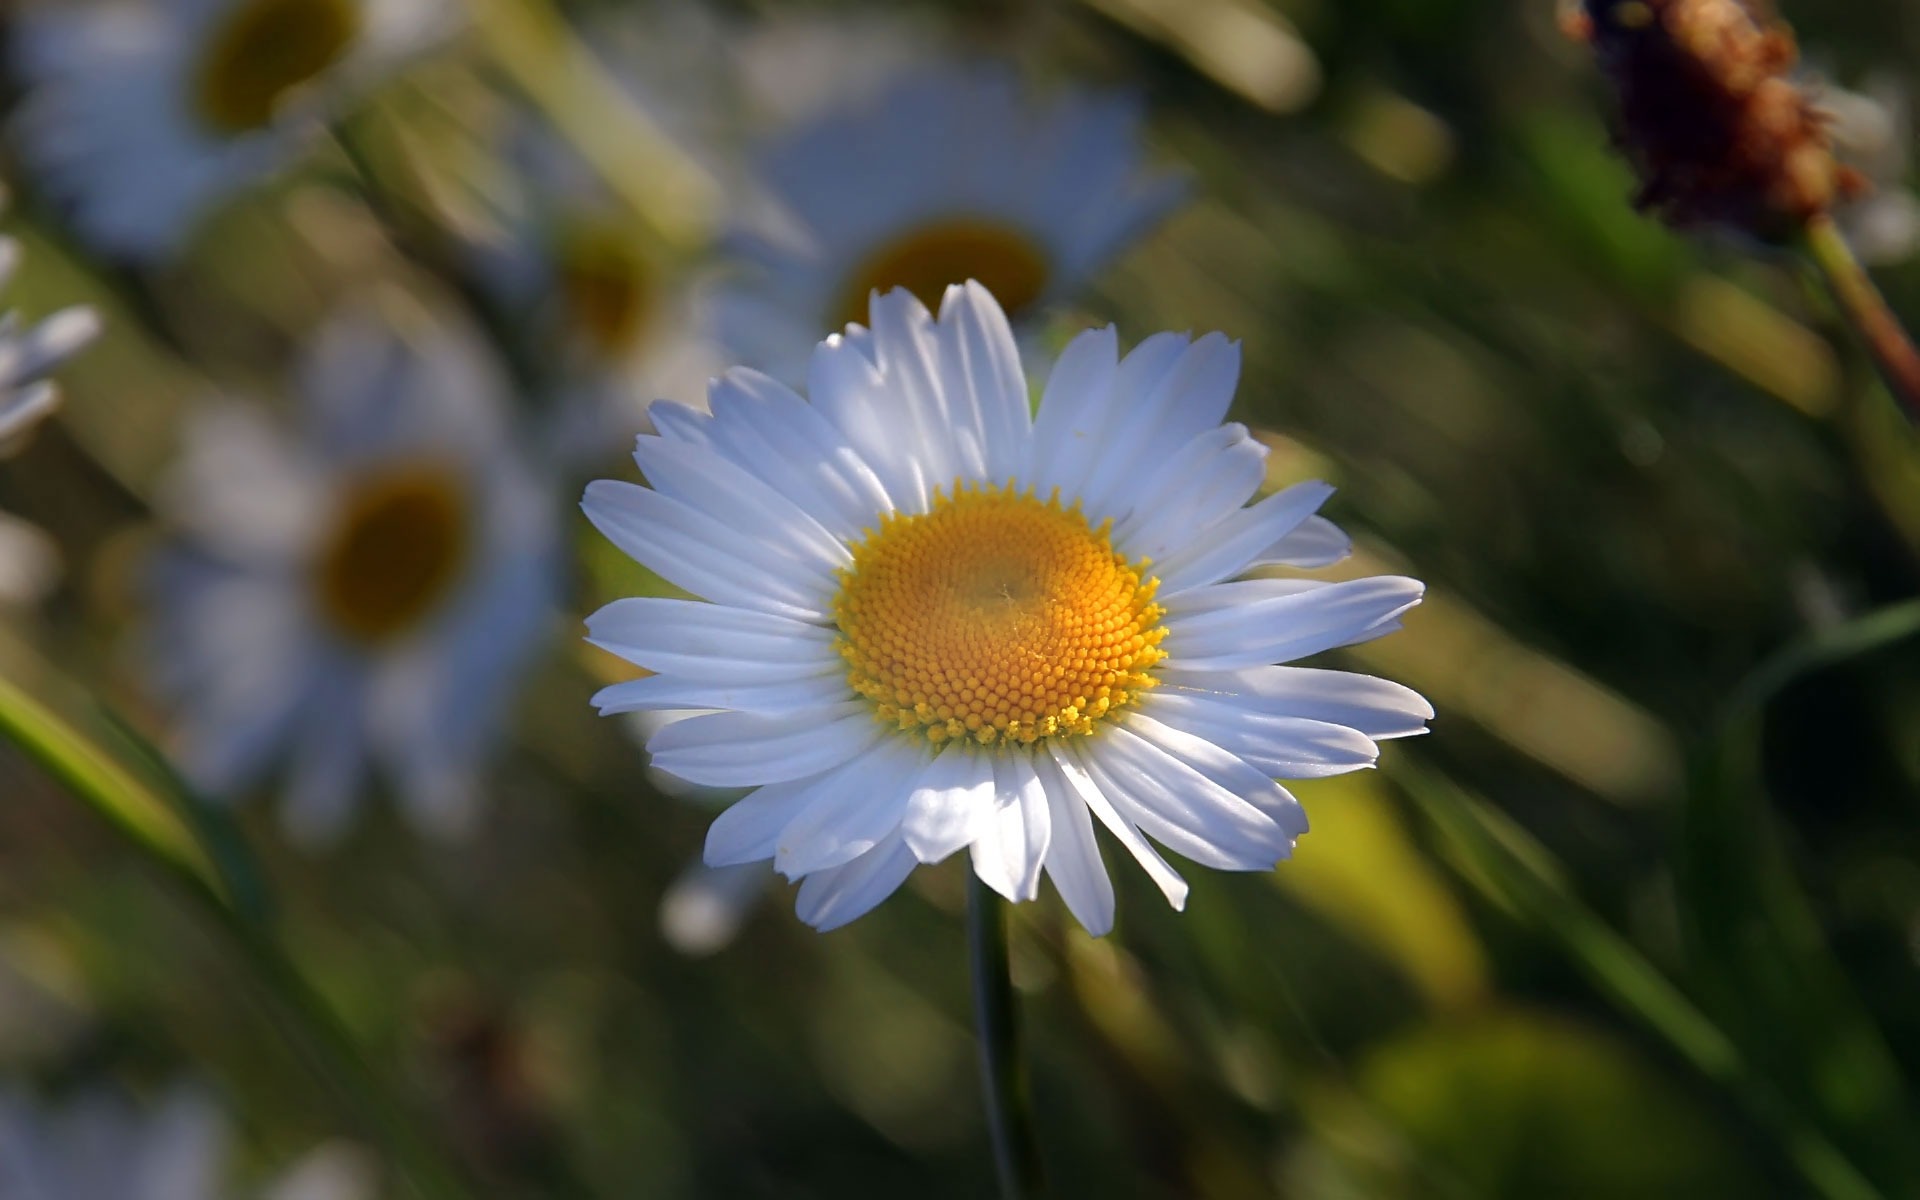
(996, 616)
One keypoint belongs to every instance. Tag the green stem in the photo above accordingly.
(1866, 310)
(1016, 1156)
(156, 831)
(672, 197)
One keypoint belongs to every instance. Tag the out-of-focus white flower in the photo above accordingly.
(612, 309)
(1872, 132)
(793, 66)
(29, 559)
(101, 1147)
(141, 115)
(607, 305)
(951, 173)
(702, 909)
(28, 353)
(934, 621)
(364, 591)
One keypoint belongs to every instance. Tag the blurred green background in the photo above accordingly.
(1640, 917)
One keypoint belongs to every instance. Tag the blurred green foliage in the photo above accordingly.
(1610, 930)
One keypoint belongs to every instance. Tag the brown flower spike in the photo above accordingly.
(1718, 130)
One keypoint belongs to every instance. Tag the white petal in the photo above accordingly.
(1072, 761)
(682, 422)
(1073, 410)
(335, 1171)
(768, 429)
(1231, 545)
(712, 643)
(324, 776)
(1318, 542)
(1379, 708)
(947, 442)
(711, 483)
(668, 692)
(1202, 483)
(1073, 858)
(748, 831)
(984, 379)
(1226, 769)
(1262, 621)
(848, 389)
(53, 340)
(854, 812)
(951, 804)
(694, 551)
(1283, 747)
(181, 1150)
(1180, 807)
(829, 899)
(730, 749)
(1157, 405)
(1009, 855)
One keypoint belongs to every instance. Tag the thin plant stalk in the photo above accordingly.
(151, 827)
(1016, 1156)
(671, 196)
(1866, 311)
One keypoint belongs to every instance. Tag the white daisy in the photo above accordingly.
(101, 1147)
(141, 115)
(932, 621)
(1873, 132)
(29, 352)
(364, 592)
(949, 174)
(29, 559)
(611, 308)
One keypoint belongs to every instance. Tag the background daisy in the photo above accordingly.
(936, 624)
(608, 304)
(949, 173)
(1631, 900)
(362, 591)
(29, 560)
(142, 115)
(100, 1146)
(30, 352)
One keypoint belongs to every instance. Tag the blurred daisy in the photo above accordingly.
(364, 592)
(101, 1147)
(1872, 131)
(611, 309)
(28, 353)
(29, 559)
(141, 115)
(944, 176)
(932, 622)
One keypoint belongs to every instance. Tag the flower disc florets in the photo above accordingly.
(996, 615)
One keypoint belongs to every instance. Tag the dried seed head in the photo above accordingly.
(1719, 131)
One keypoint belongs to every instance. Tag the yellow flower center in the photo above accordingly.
(996, 616)
(263, 50)
(395, 549)
(607, 283)
(927, 259)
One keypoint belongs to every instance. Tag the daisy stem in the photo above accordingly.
(1866, 310)
(1016, 1156)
